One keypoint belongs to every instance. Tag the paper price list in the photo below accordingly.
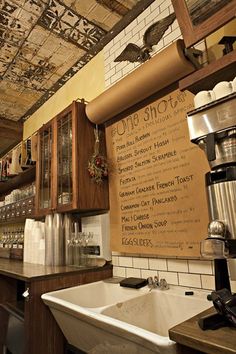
(154, 176)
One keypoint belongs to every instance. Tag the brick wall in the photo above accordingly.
(183, 272)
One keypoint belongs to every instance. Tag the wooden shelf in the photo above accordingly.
(223, 69)
(24, 177)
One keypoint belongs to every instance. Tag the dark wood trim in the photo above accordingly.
(207, 77)
(193, 34)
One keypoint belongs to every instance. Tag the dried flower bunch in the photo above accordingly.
(97, 164)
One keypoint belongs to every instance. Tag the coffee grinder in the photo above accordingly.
(213, 128)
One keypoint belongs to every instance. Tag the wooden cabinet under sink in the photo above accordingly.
(40, 333)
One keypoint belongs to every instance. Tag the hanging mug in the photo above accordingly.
(203, 97)
(233, 83)
(222, 89)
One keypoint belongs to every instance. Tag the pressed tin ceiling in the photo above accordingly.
(43, 43)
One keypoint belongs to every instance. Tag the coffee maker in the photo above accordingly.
(213, 128)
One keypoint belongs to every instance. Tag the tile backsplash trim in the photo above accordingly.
(183, 272)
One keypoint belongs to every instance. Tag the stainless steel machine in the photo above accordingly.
(213, 128)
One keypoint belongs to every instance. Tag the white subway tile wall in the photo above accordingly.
(133, 33)
(145, 273)
(177, 265)
(158, 263)
(208, 282)
(140, 262)
(126, 261)
(192, 280)
(203, 267)
(183, 272)
(133, 272)
(119, 272)
(170, 277)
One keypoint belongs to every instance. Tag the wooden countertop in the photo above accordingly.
(219, 341)
(29, 272)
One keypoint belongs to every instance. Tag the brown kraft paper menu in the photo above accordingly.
(157, 191)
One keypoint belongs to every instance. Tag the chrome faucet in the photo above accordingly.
(154, 282)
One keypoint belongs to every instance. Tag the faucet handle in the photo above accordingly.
(163, 284)
(150, 281)
(156, 280)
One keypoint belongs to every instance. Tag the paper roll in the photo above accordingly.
(162, 70)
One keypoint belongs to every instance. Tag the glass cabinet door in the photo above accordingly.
(64, 160)
(65, 145)
(45, 169)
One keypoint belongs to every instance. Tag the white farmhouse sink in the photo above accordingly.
(104, 318)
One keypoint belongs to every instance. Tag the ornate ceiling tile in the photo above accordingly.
(3, 68)
(43, 43)
(25, 19)
(111, 19)
(114, 6)
(98, 15)
(79, 30)
(8, 12)
(35, 7)
(82, 7)
(38, 35)
(13, 100)
(8, 51)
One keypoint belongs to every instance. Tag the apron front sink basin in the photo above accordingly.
(103, 317)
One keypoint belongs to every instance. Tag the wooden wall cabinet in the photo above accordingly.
(65, 145)
(197, 19)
